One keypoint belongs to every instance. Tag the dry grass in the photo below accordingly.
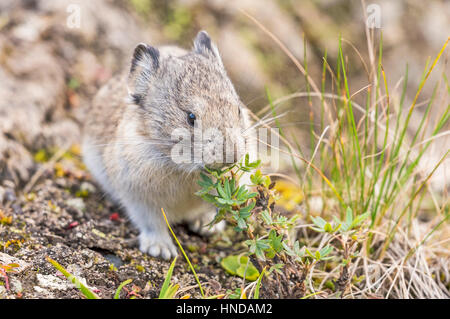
(372, 162)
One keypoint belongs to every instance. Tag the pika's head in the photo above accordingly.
(189, 108)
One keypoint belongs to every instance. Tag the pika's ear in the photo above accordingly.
(204, 46)
(144, 64)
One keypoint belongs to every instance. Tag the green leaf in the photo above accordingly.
(328, 228)
(266, 217)
(325, 251)
(227, 188)
(318, 221)
(241, 223)
(119, 289)
(250, 274)
(166, 288)
(235, 265)
(85, 290)
(276, 241)
(222, 192)
(359, 219)
(309, 253)
(248, 208)
(258, 284)
(246, 159)
(349, 216)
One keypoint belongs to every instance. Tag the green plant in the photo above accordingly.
(119, 289)
(169, 290)
(258, 284)
(367, 157)
(88, 293)
(267, 230)
(241, 266)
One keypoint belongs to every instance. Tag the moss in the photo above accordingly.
(83, 193)
(73, 84)
(142, 7)
(41, 156)
(30, 197)
(112, 267)
(140, 268)
(5, 220)
(179, 21)
(330, 285)
(192, 248)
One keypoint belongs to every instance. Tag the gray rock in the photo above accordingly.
(76, 203)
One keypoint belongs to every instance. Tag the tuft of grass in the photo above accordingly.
(367, 162)
(169, 290)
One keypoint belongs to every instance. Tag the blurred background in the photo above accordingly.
(54, 55)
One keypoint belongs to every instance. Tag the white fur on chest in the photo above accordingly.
(130, 170)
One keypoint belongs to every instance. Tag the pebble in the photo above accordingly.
(43, 292)
(16, 285)
(52, 282)
(85, 186)
(76, 203)
(10, 195)
(17, 209)
(6, 259)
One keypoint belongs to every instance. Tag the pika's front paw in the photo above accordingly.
(157, 245)
(200, 227)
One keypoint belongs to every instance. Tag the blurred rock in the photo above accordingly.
(6, 259)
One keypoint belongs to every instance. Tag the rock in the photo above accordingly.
(6, 259)
(17, 209)
(53, 282)
(16, 285)
(76, 203)
(10, 195)
(85, 186)
(43, 293)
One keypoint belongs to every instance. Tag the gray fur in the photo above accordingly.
(127, 137)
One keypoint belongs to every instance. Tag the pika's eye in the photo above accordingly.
(191, 118)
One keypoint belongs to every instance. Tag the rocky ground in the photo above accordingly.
(49, 72)
(49, 205)
(66, 218)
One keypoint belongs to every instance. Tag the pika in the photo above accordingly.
(128, 137)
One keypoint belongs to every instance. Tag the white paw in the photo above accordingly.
(200, 227)
(157, 245)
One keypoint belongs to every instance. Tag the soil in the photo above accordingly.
(69, 220)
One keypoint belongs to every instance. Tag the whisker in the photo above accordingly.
(264, 122)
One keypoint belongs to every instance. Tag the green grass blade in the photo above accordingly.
(184, 254)
(84, 290)
(258, 284)
(164, 292)
(119, 289)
